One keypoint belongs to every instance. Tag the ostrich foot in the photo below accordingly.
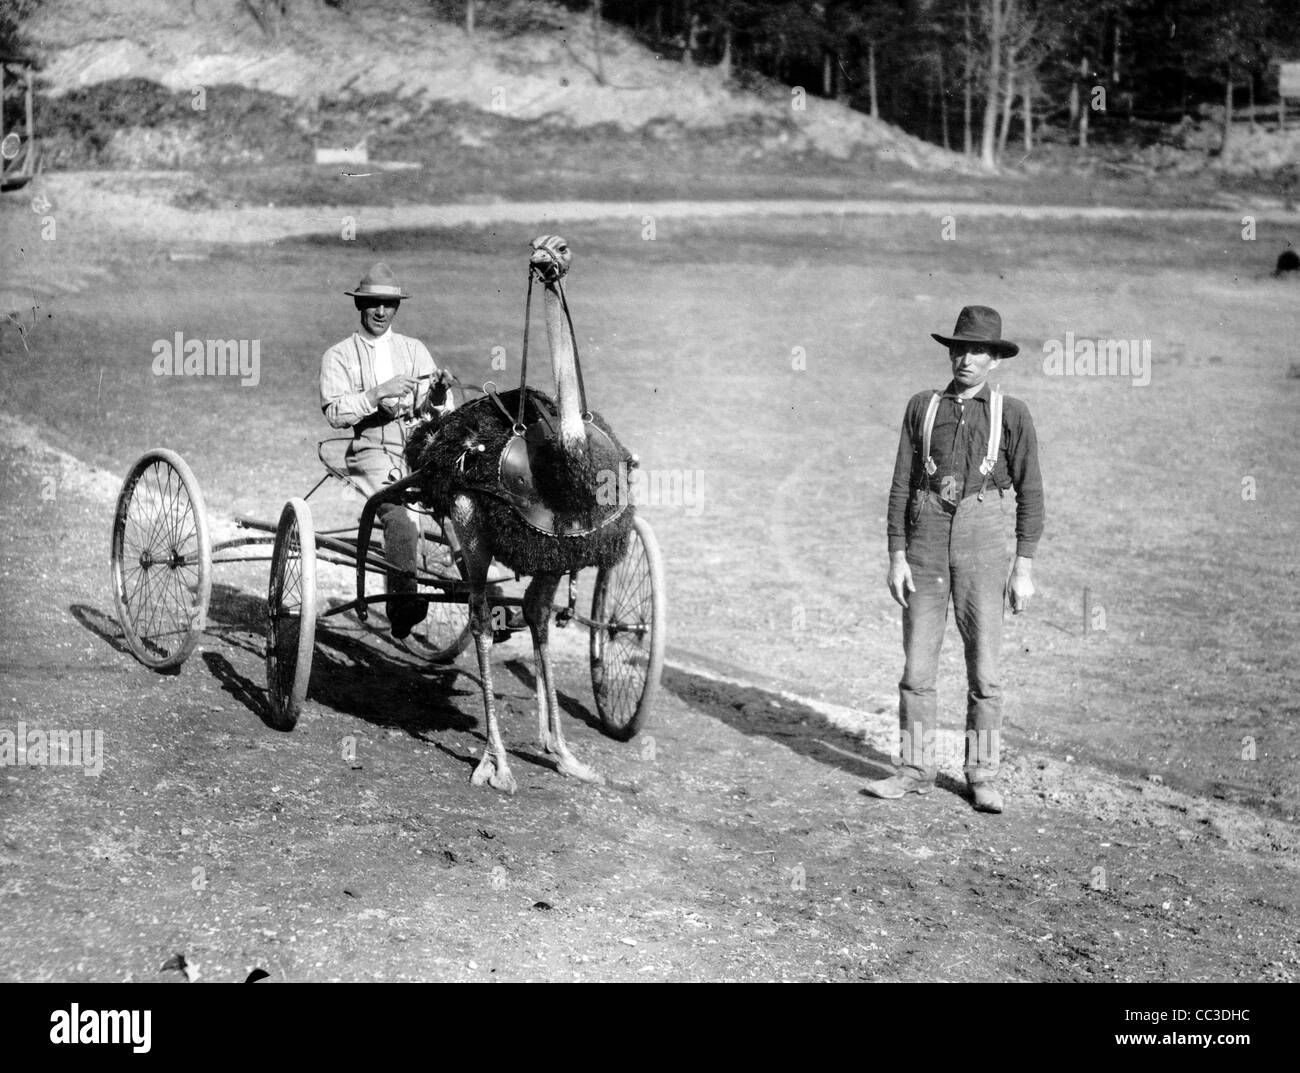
(491, 773)
(568, 764)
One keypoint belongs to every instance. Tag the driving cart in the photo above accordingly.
(162, 558)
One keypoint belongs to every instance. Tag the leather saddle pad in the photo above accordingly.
(519, 489)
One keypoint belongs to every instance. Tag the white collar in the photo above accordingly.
(371, 340)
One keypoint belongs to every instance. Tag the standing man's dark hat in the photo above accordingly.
(979, 324)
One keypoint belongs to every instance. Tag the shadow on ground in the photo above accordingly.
(755, 711)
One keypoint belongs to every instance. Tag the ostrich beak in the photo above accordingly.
(550, 258)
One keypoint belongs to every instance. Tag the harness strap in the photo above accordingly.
(577, 364)
(523, 361)
(490, 390)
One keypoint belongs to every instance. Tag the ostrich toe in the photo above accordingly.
(490, 773)
(568, 764)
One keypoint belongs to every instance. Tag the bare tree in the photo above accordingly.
(596, 20)
(995, 15)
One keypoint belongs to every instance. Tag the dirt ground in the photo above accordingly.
(770, 358)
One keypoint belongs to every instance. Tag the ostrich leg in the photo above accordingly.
(493, 768)
(537, 613)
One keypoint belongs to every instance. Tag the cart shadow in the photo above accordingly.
(351, 673)
(106, 628)
(758, 712)
(239, 688)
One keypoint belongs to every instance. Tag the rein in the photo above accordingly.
(518, 421)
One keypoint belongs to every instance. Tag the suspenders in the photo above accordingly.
(930, 411)
(995, 436)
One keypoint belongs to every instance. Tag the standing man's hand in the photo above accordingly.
(1020, 585)
(900, 577)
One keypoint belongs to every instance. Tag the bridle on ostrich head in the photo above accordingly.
(550, 259)
(549, 262)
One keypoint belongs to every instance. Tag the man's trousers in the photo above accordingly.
(376, 468)
(958, 559)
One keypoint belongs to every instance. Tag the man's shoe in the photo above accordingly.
(405, 615)
(986, 798)
(896, 786)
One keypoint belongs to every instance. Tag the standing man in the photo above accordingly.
(374, 382)
(960, 452)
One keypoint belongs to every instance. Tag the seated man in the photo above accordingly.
(374, 382)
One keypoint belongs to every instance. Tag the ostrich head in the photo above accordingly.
(550, 258)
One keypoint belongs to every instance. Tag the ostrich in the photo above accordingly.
(563, 522)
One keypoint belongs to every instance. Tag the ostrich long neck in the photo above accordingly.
(564, 366)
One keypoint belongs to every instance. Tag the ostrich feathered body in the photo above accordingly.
(449, 464)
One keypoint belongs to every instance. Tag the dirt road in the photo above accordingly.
(136, 205)
(1139, 843)
(740, 848)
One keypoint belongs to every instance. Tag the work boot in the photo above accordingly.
(985, 797)
(405, 615)
(897, 786)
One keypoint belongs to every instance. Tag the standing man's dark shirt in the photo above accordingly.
(957, 444)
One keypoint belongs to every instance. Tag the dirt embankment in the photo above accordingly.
(399, 65)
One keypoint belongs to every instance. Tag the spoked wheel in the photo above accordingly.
(161, 560)
(444, 633)
(291, 614)
(627, 648)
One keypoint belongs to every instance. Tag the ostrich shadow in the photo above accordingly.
(758, 712)
(569, 704)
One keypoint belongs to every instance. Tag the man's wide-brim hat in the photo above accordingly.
(379, 282)
(979, 324)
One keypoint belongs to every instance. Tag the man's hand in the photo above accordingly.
(900, 577)
(1020, 586)
(392, 389)
(436, 398)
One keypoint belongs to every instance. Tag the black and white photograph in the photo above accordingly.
(629, 491)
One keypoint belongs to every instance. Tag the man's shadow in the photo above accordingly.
(758, 712)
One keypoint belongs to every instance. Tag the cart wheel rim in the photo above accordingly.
(161, 560)
(291, 613)
(444, 634)
(627, 650)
